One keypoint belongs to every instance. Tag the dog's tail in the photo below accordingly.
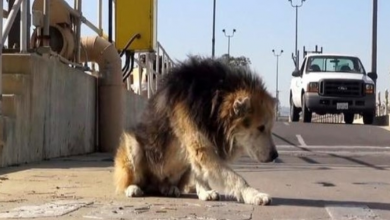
(124, 163)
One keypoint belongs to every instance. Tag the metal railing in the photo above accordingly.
(149, 76)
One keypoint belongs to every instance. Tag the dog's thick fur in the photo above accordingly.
(204, 115)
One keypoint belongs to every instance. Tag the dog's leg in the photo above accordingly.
(205, 193)
(133, 191)
(169, 190)
(208, 166)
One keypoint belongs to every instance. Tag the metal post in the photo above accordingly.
(10, 20)
(24, 26)
(213, 39)
(1, 58)
(110, 14)
(100, 22)
(277, 80)
(46, 23)
(296, 32)
(374, 36)
(78, 5)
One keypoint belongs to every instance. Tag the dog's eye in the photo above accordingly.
(261, 128)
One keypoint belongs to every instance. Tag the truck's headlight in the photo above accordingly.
(369, 88)
(312, 87)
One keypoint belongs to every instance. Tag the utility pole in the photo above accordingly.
(296, 57)
(277, 81)
(213, 38)
(374, 36)
(229, 36)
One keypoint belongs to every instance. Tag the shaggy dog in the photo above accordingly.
(204, 115)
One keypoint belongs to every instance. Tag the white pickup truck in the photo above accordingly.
(332, 84)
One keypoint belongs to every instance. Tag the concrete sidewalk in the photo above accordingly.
(315, 186)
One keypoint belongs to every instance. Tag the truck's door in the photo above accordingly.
(297, 85)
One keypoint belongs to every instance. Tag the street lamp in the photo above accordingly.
(213, 38)
(296, 32)
(277, 79)
(229, 36)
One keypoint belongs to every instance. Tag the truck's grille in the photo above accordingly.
(341, 88)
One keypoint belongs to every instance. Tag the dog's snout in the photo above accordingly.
(274, 155)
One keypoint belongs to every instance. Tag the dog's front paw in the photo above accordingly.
(133, 191)
(170, 191)
(254, 197)
(209, 195)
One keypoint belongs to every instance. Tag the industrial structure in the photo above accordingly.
(54, 101)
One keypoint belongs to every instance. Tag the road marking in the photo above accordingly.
(335, 147)
(301, 141)
(286, 123)
(349, 212)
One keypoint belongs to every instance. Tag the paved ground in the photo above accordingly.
(323, 173)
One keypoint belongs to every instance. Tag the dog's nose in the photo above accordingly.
(274, 155)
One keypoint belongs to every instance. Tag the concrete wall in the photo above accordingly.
(55, 111)
(50, 110)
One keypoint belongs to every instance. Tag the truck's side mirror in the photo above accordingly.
(372, 75)
(296, 73)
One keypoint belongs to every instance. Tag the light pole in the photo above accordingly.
(277, 79)
(296, 59)
(229, 36)
(213, 38)
(374, 36)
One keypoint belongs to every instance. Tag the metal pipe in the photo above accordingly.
(147, 61)
(46, 22)
(374, 36)
(110, 20)
(78, 5)
(11, 18)
(23, 26)
(100, 22)
(1, 60)
(213, 39)
(158, 66)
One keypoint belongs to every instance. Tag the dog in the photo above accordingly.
(205, 114)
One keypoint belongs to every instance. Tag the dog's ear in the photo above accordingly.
(241, 106)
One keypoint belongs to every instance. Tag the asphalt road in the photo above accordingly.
(332, 135)
(324, 171)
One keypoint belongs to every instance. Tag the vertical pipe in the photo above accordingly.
(1, 58)
(296, 39)
(23, 27)
(100, 22)
(148, 73)
(213, 39)
(229, 46)
(140, 73)
(110, 21)
(157, 66)
(46, 22)
(374, 36)
(277, 86)
(78, 5)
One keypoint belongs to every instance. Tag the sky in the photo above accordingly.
(339, 26)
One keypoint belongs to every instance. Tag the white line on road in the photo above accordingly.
(286, 123)
(301, 141)
(341, 212)
(387, 148)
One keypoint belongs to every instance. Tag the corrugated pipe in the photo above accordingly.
(110, 90)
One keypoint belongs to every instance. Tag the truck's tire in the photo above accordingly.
(294, 112)
(368, 118)
(348, 118)
(306, 114)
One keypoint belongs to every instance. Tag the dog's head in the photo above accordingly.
(252, 120)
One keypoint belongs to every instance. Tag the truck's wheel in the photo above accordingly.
(306, 114)
(368, 118)
(348, 118)
(294, 112)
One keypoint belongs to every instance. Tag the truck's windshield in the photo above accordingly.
(334, 64)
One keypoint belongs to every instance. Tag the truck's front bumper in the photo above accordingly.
(327, 104)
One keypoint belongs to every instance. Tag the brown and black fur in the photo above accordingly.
(204, 115)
